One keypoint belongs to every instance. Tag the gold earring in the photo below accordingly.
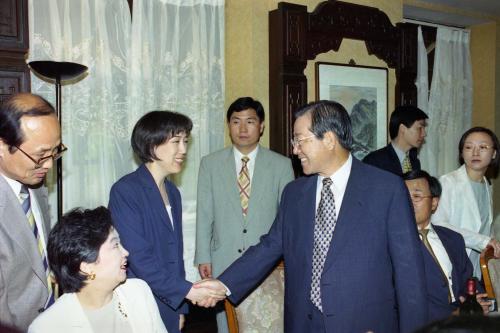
(91, 276)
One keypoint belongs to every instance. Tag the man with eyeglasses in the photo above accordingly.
(352, 257)
(30, 141)
(407, 131)
(447, 266)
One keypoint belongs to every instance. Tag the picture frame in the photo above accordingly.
(363, 91)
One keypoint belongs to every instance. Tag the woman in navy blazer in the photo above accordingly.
(147, 213)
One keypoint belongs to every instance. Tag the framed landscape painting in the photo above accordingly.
(362, 90)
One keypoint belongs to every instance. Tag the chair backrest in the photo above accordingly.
(486, 255)
(232, 320)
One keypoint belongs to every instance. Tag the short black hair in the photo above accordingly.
(328, 116)
(154, 129)
(245, 103)
(12, 110)
(77, 238)
(406, 115)
(495, 163)
(434, 184)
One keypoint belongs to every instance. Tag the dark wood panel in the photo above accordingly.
(14, 25)
(296, 36)
(12, 82)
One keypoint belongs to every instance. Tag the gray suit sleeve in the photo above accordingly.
(5, 313)
(204, 216)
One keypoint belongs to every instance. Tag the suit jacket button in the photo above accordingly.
(41, 310)
(239, 251)
(244, 231)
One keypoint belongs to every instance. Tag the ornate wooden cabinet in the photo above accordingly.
(296, 36)
(14, 73)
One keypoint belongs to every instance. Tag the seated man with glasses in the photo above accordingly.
(447, 266)
(30, 140)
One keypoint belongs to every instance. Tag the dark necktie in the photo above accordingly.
(323, 230)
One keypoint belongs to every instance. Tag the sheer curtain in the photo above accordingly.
(170, 57)
(95, 120)
(450, 101)
(177, 63)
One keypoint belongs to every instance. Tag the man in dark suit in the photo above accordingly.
(30, 140)
(407, 132)
(353, 261)
(447, 266)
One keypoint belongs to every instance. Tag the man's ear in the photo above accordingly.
(330, 140)
(262, 126)
(4, 148)
(435, 202)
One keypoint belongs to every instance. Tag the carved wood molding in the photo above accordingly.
(296, 36)
(333, 21)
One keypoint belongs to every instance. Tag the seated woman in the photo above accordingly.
(90, 265)
(466, 201)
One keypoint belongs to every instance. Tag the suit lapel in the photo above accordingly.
(17, 227)
(230, 183)
(257, 192)
(448, 246)
(154, 196)
(307, 216)
(350, 212)
(394, 159)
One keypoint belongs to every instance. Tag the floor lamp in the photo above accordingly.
(57, 72)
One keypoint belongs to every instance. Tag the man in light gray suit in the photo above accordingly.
(30, 140)
(239, 189)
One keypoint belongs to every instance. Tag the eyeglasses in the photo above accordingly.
(418, 197)
(483, 148)
(298, 142)
(54, 156)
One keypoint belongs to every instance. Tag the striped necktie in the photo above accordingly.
(244, 185)
(25, 199)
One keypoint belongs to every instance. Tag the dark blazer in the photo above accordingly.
(437, 296)
(373, 277)
(387, 159)
(156, 249)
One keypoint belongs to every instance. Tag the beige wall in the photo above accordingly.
(483, 52)
(247, 60)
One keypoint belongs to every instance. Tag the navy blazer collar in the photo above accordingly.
(147, 180)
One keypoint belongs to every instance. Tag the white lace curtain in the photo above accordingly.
(170, 57)
(450, 101)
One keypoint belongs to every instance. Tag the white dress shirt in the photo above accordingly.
(339, 179)
(441, 255)
(250, 164)
(35, 208)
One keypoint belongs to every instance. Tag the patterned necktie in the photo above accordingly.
(423, 233)
(407, 163)
(244, 185)
(24, 197)
(323, 230)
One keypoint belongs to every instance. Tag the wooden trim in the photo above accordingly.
(486, 255)
(232, 320)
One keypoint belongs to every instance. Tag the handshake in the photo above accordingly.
(207, 292)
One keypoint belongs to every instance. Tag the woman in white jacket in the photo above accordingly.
(466, 203)
(90, 264)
